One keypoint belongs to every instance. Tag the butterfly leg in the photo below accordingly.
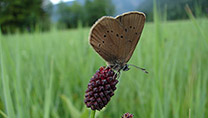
(117, 73)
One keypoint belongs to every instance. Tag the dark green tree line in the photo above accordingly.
(23, 15)
(174, 9)
(69, 16)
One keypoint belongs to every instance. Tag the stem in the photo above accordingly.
(93, 114)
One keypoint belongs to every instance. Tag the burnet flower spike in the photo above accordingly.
(100, 88)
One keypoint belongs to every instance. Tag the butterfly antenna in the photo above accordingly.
(144, 70)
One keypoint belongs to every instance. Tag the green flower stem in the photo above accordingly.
(93, 114)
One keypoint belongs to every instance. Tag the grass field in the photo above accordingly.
(45, 75)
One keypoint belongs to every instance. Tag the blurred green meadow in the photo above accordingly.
(45, 75)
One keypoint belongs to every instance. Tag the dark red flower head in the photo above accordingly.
(127, 115)
(100, 88)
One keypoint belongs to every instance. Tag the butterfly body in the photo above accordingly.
(117, 65)
(115, 39)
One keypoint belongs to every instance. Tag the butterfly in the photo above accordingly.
(115, 39)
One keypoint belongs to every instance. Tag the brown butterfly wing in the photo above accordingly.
(133, 23)
(105, 40)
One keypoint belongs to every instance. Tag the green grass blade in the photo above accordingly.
(48, 93)
(3, 114)
(193, 19)
(73, 111)
(6, 88)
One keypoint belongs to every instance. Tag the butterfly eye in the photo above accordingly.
(136, 33)
(99, 45)
(117, 35)
(121, 36)
(107, 31)
(103, 41)
(104, 35)
(125, 30)
(133, 27)
(130, 26)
